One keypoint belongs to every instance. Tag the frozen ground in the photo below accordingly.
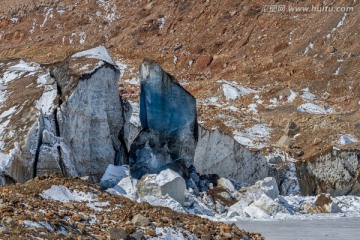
(305, 229)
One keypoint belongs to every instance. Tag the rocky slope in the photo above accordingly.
(277, 95)
(295, 70)
(251, 71)
(53, 208)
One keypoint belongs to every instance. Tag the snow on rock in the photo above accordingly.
(25, 66)
(99, 53)
(63, 194)
(113, 175)
(110, 10)
(167, 182)
(347, 139)
(309, 47)
(163, 201)
(233, 90)
(307, 95)
(292, 96)
(45, 103)
(173, 234)
(339, 24)
(256, 136)
(268, 186)
(270, 206)
(313, 109)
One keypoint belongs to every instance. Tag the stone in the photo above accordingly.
(169, 126)
(226, 184)
(325, 202)
(118, 233)
(140, 220)
(284, 142)
(76, 217)
(137, 236)
(330, 49)
(167, 182)
(113, 175)
(3, 230)
(291, 129)
(202, 62)
(325, 95)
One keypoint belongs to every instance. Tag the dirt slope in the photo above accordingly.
(201, 42)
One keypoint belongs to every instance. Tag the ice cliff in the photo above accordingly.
(169, 126)
(75, 125)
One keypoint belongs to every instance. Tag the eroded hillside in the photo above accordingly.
(251, 71)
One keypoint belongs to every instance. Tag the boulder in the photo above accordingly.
(69, 119)
(256, 212)
(270, 206)
(140, 220)
(268, 186)
(127, 187)
(291, 129)
(284, 142)
(167, 182)
(226, 184)
(113, 175)
(323, 204)
(169, 126)
(262, 191)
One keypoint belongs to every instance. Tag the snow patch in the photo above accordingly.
(308, 48)
(340, 23)
(25, 66)
(256, 136)
(313, 109)
(161, 23)
(233, 90)
(99, 53)
(307, 95)
(292, 96)
(63, 194)
(48, 15)
(347, 139)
